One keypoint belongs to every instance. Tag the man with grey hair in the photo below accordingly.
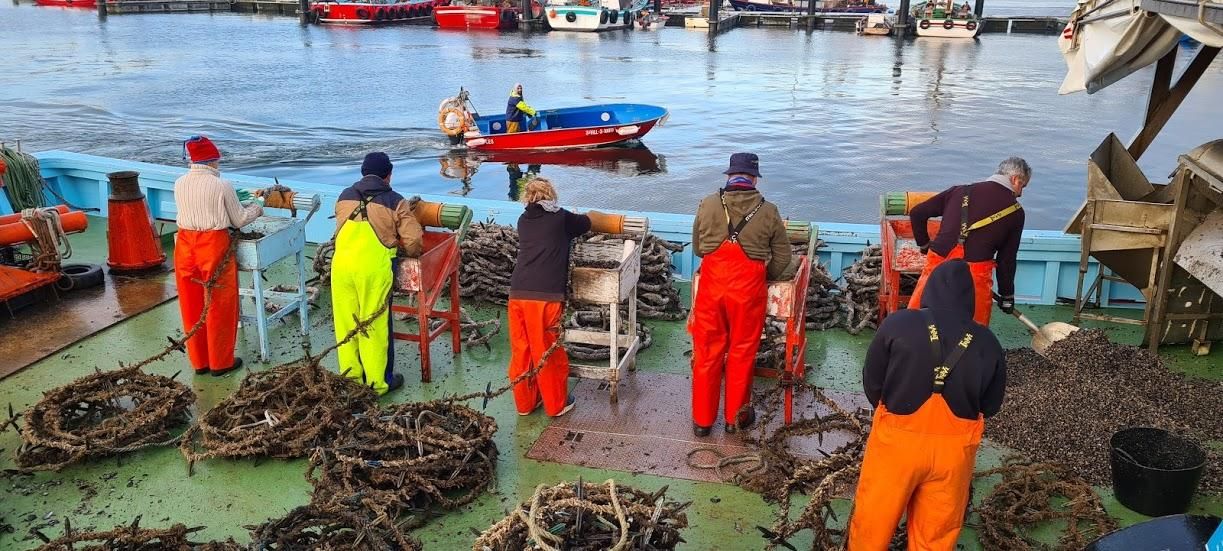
(982, 223)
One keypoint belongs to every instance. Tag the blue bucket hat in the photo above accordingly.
(744, 163)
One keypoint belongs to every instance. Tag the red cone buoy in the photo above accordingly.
(133, 244)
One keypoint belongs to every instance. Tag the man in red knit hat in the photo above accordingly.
(208, 208)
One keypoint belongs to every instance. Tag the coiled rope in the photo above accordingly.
(50, 242)
(22, 180)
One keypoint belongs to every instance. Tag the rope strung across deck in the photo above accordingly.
(110, 412)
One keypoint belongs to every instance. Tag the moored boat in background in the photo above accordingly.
(592, 15)
(481, 14)
(372, 11)
(941, 18)
(550, 129)
(875, 24)
(68, 3)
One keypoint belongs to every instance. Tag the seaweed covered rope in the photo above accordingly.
(111, 412)
(586, 516)
(1032, 494)
(330, 527)
(285, 412)
(776, 472)
(406, 458)
(131, 537)
(490, 250)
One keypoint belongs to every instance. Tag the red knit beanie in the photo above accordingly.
(201, 150)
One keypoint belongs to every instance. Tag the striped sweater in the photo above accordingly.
(206, 202)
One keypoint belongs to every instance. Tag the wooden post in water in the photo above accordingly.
(658, 6)
(902, 18)
(713, 15)
(303, 11)
(979, 8)
(101, 8)
(527, 12)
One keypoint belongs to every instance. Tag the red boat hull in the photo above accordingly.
(564, 138)
(476, 17)
(68, 3)
(366, 14)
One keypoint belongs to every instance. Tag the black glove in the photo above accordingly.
(924, 248)
(1007, 304)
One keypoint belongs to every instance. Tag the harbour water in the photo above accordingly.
(836, 118)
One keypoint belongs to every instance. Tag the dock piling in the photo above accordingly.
(303, 11)
(657, 6)
(902, 18)
(101, 8)
(979, 9)
(713, 15)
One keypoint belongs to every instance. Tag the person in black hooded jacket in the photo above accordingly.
(933, 375)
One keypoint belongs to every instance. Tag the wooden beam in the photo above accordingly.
(1165, 100)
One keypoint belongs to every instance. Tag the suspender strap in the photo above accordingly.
(943, 368)
(965, 227)
(994, 217)
(732, 231)
(361, 209)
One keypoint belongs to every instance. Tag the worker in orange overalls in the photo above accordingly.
(982, 223)
(933, 375)
(208, 208)
(537, 299)
(742, 242)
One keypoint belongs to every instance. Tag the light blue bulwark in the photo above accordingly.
(1048, 260)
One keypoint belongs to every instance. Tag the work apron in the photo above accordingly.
(197, 257)
(982, 270)
(361, 280)
(726, 322)
(920, 464)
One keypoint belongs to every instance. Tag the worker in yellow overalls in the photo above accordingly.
(374, 225)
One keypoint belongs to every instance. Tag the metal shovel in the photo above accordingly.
(1044, 335)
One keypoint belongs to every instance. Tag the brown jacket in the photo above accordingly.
(764, 238)
(389, 214)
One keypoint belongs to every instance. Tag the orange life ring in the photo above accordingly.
(446, 129)
(925, 24)
(971, 25)
(948, 24)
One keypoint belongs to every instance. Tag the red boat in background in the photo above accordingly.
(68, 3)
(486, 14)
(372, 11)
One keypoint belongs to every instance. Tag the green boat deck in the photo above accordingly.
(226, 495)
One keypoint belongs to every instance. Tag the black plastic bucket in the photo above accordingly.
(1155, 472)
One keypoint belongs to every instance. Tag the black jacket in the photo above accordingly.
(899, 368)
(542, 269)
(998, 241)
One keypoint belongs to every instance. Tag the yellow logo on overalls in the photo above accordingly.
(940, 373)
(967, 340)
(933, 333)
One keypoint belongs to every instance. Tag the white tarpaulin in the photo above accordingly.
(1106, 40)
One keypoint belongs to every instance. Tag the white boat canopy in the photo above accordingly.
(1106, 40)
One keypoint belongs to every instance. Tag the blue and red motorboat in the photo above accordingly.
(550, 129)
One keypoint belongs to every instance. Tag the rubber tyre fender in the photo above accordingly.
(79, 276)
(971, 26)
(571, 17)
(613, 17)
(949, 24)
(362, 13)
(925, 24)
(507, 16)
(603, 17)
(628, 19)
(379, 14)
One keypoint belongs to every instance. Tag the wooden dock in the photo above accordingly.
(846, 21)
(274, 7)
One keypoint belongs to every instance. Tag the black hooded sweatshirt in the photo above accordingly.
(900, 364)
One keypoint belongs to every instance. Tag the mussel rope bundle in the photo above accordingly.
(860, 297)
(598, 318)
(283, 412)
(1036, 493)
(588, 517)
(777, 473)
(102, 414)
(406, 458)
(132, 537)
(330, 528)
